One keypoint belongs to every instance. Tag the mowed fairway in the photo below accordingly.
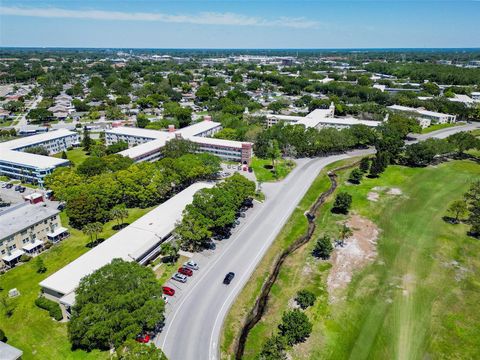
(417, 300)
(420, 298)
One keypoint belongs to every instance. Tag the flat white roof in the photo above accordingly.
(133, 131)
(128, 244)
(218, 142)
(36, 139)
(198, 128)
(147, 147)
(28, 159)
(418, 111)
(21, 216)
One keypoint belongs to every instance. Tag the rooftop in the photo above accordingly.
(128, 244)
(21, 216)
(198, 128)
(8, 352)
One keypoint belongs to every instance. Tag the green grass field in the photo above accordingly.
(432, 315)
(282, 167)
(76, 156)
(30, 328)
(439, 127)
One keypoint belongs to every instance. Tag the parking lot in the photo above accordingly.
(15, 197)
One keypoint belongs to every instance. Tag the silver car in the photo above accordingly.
(191, 265)
(179, 277)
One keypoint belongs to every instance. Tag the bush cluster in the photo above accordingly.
(52, 307)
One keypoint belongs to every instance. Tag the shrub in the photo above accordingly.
(295, 326)
(365, 164)
(323, 248)
(25, 258)
(2, 336)
(305, 298)
(52, 307)
(273, 349)
(342, 203)
(355, 176)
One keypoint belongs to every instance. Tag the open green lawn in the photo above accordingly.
(166, 270)
(76, 156)
(282, 169)
(418, 300)
(439, 127)
(30, 328)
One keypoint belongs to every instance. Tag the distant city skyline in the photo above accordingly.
(240, 24)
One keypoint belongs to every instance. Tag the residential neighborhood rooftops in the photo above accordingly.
(22, 216)
(128, 244)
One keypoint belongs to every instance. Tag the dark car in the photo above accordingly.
(210, 245)
(9, 186)
(228, 278)
(22, 189)
(168, 291)
(17, 187)
(185, 271)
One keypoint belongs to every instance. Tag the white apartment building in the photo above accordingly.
(319, 118)
(32, 168)
(425, 117)
(146, 145)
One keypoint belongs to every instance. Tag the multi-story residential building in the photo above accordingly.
(146, 145)
(24, 229)
(425, 117)
(18, 164)
(149, 232)
(319, 118)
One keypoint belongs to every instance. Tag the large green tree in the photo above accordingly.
(115, 303)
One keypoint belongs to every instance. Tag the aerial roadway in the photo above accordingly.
(195, 315)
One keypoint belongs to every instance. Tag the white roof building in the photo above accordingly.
(320, 118)
(425, 117)
(139, 241)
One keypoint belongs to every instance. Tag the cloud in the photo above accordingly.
(203, 18)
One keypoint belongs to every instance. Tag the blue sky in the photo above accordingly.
(240, 23)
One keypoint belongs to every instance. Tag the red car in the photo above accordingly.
(168, 291)
(145, 338)
(185, 271)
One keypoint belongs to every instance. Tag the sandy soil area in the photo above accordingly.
(359, 250)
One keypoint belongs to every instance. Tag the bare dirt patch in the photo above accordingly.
(373, 196)
(359, 250)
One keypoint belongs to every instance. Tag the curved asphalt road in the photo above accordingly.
(195, 315)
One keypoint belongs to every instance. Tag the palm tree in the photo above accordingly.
(345, 232)
(92, 230)
(119, 213)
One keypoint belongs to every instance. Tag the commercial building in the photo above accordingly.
(140, 241)
(425, 117)
(24, 229)
(32, 168)
(319, 118)
(146, 145)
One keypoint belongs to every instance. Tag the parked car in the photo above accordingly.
(210, 245)
(22, 189)
(179, 277)
(168, 291)
(228, 278)
(237, 222)
(17, 187)
(185, 271)
(9, 186)
(190, 264)
(242, 215)
(4, 185)
(61, 206)
(143, 338)
(165, 298)
(250, 169)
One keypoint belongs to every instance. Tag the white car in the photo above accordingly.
(165, 298)
(191, 265)
(179, 277)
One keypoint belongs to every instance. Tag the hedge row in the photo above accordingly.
(52, 307)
